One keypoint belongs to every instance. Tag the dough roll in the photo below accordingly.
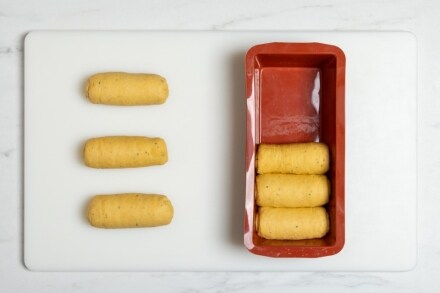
(126, 89)
(292, 223)
(129, 210)
(296, 158)
(125, 152)
(289, 190)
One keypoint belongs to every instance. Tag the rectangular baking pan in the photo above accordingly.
(296, 93)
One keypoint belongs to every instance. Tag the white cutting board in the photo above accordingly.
(203, 123)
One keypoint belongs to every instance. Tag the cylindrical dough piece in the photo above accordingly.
(292, 223)
(126, 89)
(290, 190)
(295, 158)
(125, 152)
(129, 210)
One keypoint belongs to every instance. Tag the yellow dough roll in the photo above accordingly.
(125, 152)
(296, 158)
(289, 190)
(129, 210)
(292, 223)
(126, 89)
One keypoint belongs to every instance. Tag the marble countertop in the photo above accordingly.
(19, 17)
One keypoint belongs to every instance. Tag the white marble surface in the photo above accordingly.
(19, 17)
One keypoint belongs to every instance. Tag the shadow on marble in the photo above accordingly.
(21, 143)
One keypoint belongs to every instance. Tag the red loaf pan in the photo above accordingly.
(296, 93)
